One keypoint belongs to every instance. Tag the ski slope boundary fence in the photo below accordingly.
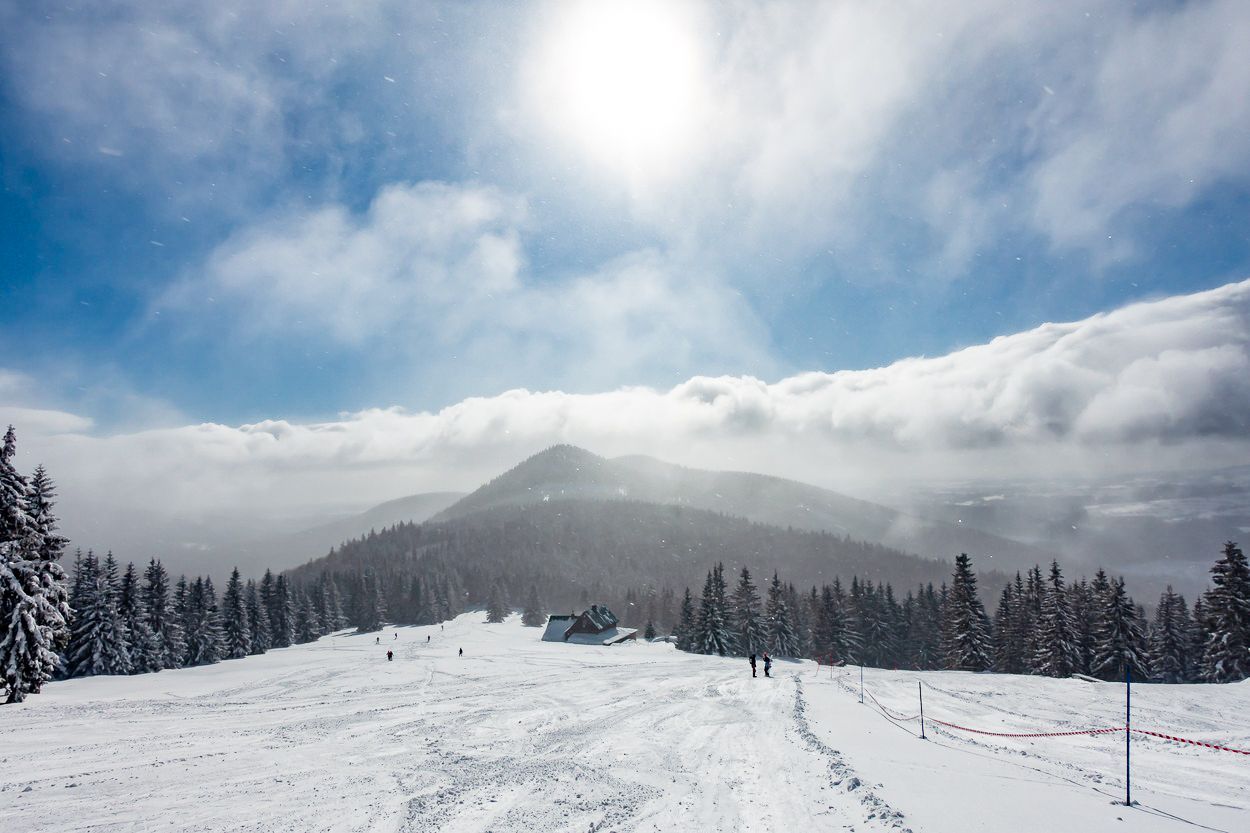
(1127, 729)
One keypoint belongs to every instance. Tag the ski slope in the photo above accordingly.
(521, 735)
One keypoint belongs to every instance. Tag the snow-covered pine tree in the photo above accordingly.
(334, 604)
(203, 627)
(32, 585)
(52, 578)
(746, 617)
(798, 618)
(372, 605)
(257, 618)
(1226, 657)
(97, 642)
(237, 629)
(966, 627)
(281, 621)
(712, 634)
(1008, 652)
(683, 632)
(1119, 635)
(1171, 639)
(844, 640)
(213, 617)
(1057, 652)
(145, 651)
(162, 621)
(649, 633)
(496, 606)
(535, 615)
(307, 627)
(1081, 602)
(779, 627)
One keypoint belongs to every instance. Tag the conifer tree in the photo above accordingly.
(782, 641)
(535, 615)
(1120, 639)
(257, 618)
(97, 641)
(145, 651)
(281, 620)
(182, 615)
(649, 633)
(497, 607)
(1008, 652)
(237, 628)
(1171, 639)
(167, 637)
(32, 585)
(1057, 653)
(684, 631)
(372, 607)
(748, 623)
(1226, 655)
(51, 546)
(844, 639)
(1081, 602)
(307, 628)
(966, 628)
(712, 634)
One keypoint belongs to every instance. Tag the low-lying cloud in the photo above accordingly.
(1160, 383)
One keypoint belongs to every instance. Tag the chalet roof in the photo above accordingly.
(600, 617)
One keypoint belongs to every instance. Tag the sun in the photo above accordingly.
(621, 81)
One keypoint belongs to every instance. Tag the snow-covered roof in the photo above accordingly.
(601, 617)
(556, 626)
(608, 637)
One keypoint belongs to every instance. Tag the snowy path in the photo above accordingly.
(518, 735)
(521, 735)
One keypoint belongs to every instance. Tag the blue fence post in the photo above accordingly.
(920, 688)
(1128, 722)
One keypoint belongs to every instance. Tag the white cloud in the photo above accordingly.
(1148, 385)
(436, 274)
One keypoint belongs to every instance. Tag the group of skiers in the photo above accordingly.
(768, 664)
(390, 655)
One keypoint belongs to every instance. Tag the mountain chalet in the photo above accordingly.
(595, 626)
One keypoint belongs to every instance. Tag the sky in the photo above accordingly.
(952, 227)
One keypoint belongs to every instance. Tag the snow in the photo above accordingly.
(525, 735)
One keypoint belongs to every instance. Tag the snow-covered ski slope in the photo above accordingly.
(521, 735)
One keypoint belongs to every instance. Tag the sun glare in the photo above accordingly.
(621, 81)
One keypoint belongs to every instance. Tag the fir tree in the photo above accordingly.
(684, 630)
(166, 630)
(782, 641)
(712, 634)
(182, 615)
(748, 623)
(535, 616)
(278, 604)
(497, 607)
(1057, 652)
(257, 618)
(372, 606)
(97, 640)
(1226, 656)
(649, 633)
(307, 628)
(1171, 639)
(51, 546)
(966, 628)
(1120, 639)
(145, 650)
(204, 637)
(237, 628)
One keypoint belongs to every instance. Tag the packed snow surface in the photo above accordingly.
(523, 735)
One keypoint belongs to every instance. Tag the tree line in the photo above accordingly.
(1042, 625)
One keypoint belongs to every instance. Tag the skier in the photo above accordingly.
(389, 656)
(752, 665)
(397, 634)
(462, 652)
(768, 664)
(377, 640)
(427, 639)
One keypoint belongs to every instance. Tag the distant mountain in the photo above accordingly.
(282, 551)
(573, 549)
(566, 472)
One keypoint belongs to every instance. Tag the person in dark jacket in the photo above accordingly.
(752, 665)
(768, 664)
(389, 656)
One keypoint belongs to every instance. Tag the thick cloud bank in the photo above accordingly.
(1151, 384)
